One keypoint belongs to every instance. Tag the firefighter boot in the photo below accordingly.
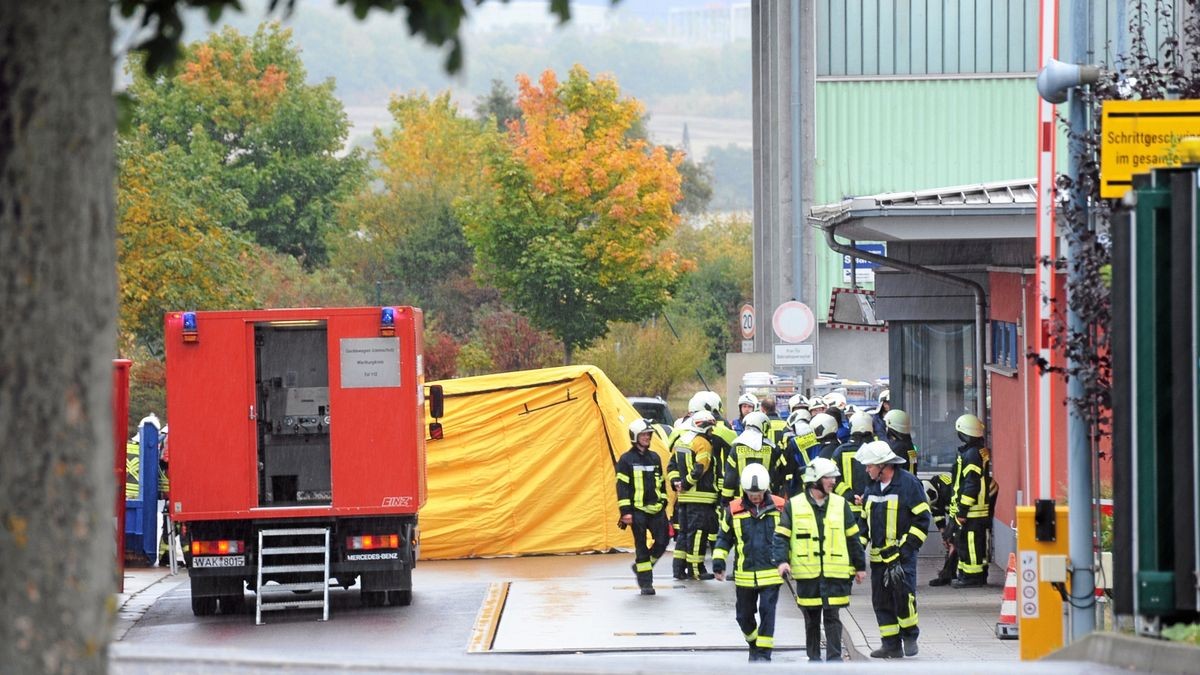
(646, 582)
(679, 568)
(910, 645)
(702, 573)
(888, 652)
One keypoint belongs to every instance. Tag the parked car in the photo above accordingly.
(653, 408)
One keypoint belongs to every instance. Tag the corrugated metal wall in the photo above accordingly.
(913, 134)
(933, 37)
(920, 37)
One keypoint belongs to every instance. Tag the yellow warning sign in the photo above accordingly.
(1137, 136)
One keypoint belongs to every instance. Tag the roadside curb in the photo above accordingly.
(132, 606)
(1143, 654)
(854, 641)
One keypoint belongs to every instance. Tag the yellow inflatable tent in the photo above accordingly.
(526, 465)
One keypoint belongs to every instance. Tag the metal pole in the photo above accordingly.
(1082, 592)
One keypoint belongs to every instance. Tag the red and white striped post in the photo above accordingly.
(1048, 49)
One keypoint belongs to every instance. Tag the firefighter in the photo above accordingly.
(164, 488)
(747, 403)
(897, 519)
(722, 438)
(838, 407)
(898, 434)
(853, 478)
(970, 506)
(939, 490)
(776, 426)
(820, 534)
(692, 477)
(825, 427)
(881, 410)
(748, 529)
(642, 498)
(796, 452)
(752, 446)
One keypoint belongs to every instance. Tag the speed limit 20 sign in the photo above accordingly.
(746, 321)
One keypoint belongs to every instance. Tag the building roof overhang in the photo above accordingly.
(1001, 210)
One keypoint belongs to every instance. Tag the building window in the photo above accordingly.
(1005, 350)
(936, 369)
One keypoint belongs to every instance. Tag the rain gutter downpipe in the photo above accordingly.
(830, 228)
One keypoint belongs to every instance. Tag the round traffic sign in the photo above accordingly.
(746, 321)
(793, 322)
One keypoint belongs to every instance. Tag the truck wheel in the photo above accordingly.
(373, 598)
(400, 598)
(204, 605)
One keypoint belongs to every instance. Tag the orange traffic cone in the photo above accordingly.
(1006, 627)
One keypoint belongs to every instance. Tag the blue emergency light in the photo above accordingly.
(387, 322)
(189, 327)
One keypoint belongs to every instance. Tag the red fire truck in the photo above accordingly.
(297, 453)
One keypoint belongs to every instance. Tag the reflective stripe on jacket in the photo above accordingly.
(896, 516)
(823, 549)
(640, 482)
(750, 533)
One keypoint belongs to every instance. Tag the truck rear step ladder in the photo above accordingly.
(308, 551)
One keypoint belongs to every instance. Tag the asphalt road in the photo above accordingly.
(433, 634)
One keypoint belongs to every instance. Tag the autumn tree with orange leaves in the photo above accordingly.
(572, 229)
(278, 138)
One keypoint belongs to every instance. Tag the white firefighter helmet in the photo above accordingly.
(797, 416)
(639, 427)
(696, 403)
(755, 478)
(897, 420)
(797, 401)
(969, 425)
(823, 424)
(861, 423)
(819, 468)
(756, 420)
(703, 420)
(931, 493)
(835, 399)
(877, 452)
(748, 399)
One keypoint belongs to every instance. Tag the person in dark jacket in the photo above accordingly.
(642, 498)
(852, 476)
(898, 434)
(749, 528)
(691, 472)
(940, 492)
(897, 519)
(819, 536)
(970, 507)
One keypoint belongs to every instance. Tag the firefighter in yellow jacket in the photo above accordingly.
(748, 529)
(819, 532)
(691, 472)
(642, 498)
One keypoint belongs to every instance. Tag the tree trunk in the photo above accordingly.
(58, 307)
(568, 353)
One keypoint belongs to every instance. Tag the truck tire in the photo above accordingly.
(204, 605)
(400, 598)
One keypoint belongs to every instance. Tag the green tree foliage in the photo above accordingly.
(696, 184)
(172, 251)
(513, 344)
(647, 359)
(572, 231)
(276, 137)
(403, 228)
(711, 293)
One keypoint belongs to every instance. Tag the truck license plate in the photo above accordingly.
(219, 561)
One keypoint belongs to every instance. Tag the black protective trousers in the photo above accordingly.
(833, 633)
(762, 600)
(697, 522)
(972, 544)
(646, 527)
